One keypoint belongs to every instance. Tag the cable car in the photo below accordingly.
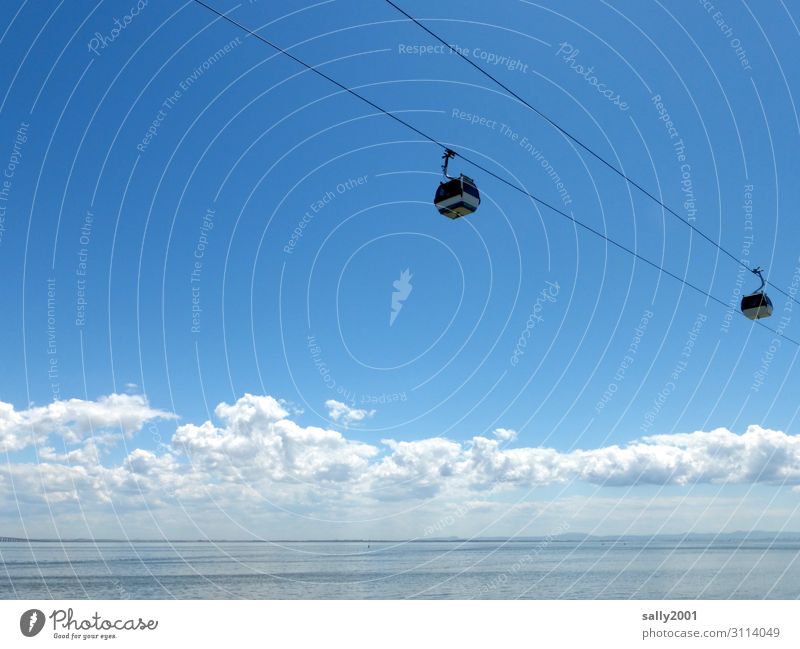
(456, 197)
(757, 305)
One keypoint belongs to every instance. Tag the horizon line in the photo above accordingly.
(564, 537)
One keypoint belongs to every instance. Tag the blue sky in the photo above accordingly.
(197, 152)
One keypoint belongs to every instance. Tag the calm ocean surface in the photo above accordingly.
(439, 570)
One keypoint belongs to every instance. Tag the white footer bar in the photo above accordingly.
(400, 624)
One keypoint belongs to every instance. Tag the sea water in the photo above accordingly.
(397, 570)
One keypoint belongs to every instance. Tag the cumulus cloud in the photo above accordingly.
(344, 414)
(74, 419)
(256, 438)
(256, 452)
(505, 434)
(716, 457)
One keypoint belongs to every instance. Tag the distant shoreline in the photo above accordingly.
(565, 538)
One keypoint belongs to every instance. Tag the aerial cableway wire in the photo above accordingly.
(477, 165)
(585, 147)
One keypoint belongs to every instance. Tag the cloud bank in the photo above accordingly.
(74, 419)
(256, 452)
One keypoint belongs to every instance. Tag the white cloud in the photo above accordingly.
(258, 440)
(272, 447)
(74, 419)
(505, 434)
(341, 412)
(255, 455)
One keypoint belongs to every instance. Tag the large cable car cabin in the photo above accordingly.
(757, 305)
(456, 197)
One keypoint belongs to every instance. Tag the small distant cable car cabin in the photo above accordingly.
(757, 305)
(456, 197)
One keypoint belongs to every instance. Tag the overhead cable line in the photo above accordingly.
(585, 147)
(433, 140)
